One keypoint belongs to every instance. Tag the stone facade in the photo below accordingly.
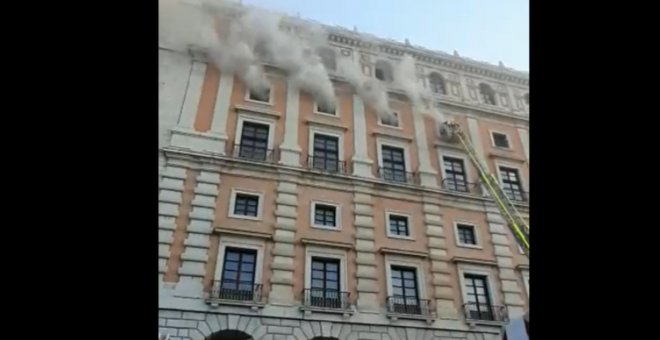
(201, 108)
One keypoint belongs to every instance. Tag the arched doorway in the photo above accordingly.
(229, 335)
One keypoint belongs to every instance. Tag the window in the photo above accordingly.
(500, 140)
(259, 95)
(383, 71)
(487, 94)
(245, 205)
(328, 58)
(325, 285)
(437, 83)
(526, 97)
(511, 184)
(325, 215)
(393, 166)
(325, 109)
(238, 274)
(391, 119)
(455, 178)
(404, 297)
(478, 303)
(326, 152)
(466, 235)
(397, 225)
(253, 144)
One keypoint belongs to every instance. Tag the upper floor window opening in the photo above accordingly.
(383, 71)
(328, 58)
(437, 83)
(487, 94)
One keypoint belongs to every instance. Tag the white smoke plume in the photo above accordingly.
(239, 38)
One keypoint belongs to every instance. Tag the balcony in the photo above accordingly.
(398, 176)
(327, 301)
(409, 308)
(487, 313)
(461, 187)
(228, 292)
(252, 153)
(326, 165)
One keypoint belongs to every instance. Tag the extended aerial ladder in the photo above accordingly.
(452, 132)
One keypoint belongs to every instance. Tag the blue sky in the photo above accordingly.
(485, 30)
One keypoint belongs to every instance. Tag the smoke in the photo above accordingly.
(240, 38)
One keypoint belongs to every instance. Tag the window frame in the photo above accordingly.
(442, 154)
(388, 214)
(506, 135)
(246, 117)
(475, 229)
(518, 168)
(312, 214)
(271, 92)
(462, 270)
(316, 130)
(395, 144)
(397, 114)
(232, 203)
(243, 243)
(402, 261)
(337, 111)
(326, 252)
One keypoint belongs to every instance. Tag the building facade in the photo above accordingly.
(282, 219)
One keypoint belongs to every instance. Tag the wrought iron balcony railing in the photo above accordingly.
(326, 298)
(461, 186)
(236, 291)
(413, 306)
(253, 153)
(326, 165)
(482, 312)
(397, 176)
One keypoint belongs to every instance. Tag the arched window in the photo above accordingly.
(384, 71)
(437, 83)
(328, 58)
(487, 94)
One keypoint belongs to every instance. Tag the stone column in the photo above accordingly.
(286, 215)
(170, 198)
(428, 175)
(290, 150)
(198, 239)
(524, 141)
(361, 162)
(443, 291)
(365, 258)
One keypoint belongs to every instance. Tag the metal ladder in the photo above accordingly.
(514, 220)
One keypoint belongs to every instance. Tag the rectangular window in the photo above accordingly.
(500, 140)
(390, 120)
(260, 96)
(478, 302)
(455, 178)
(511, 184)
(326, 153)
(246, 205)
(405, 290)
(325, 215)
(325, 288)
(325, 109)
(399, 225)
(394, 165)
(254, 141)
(466, 234)
(238, 272)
